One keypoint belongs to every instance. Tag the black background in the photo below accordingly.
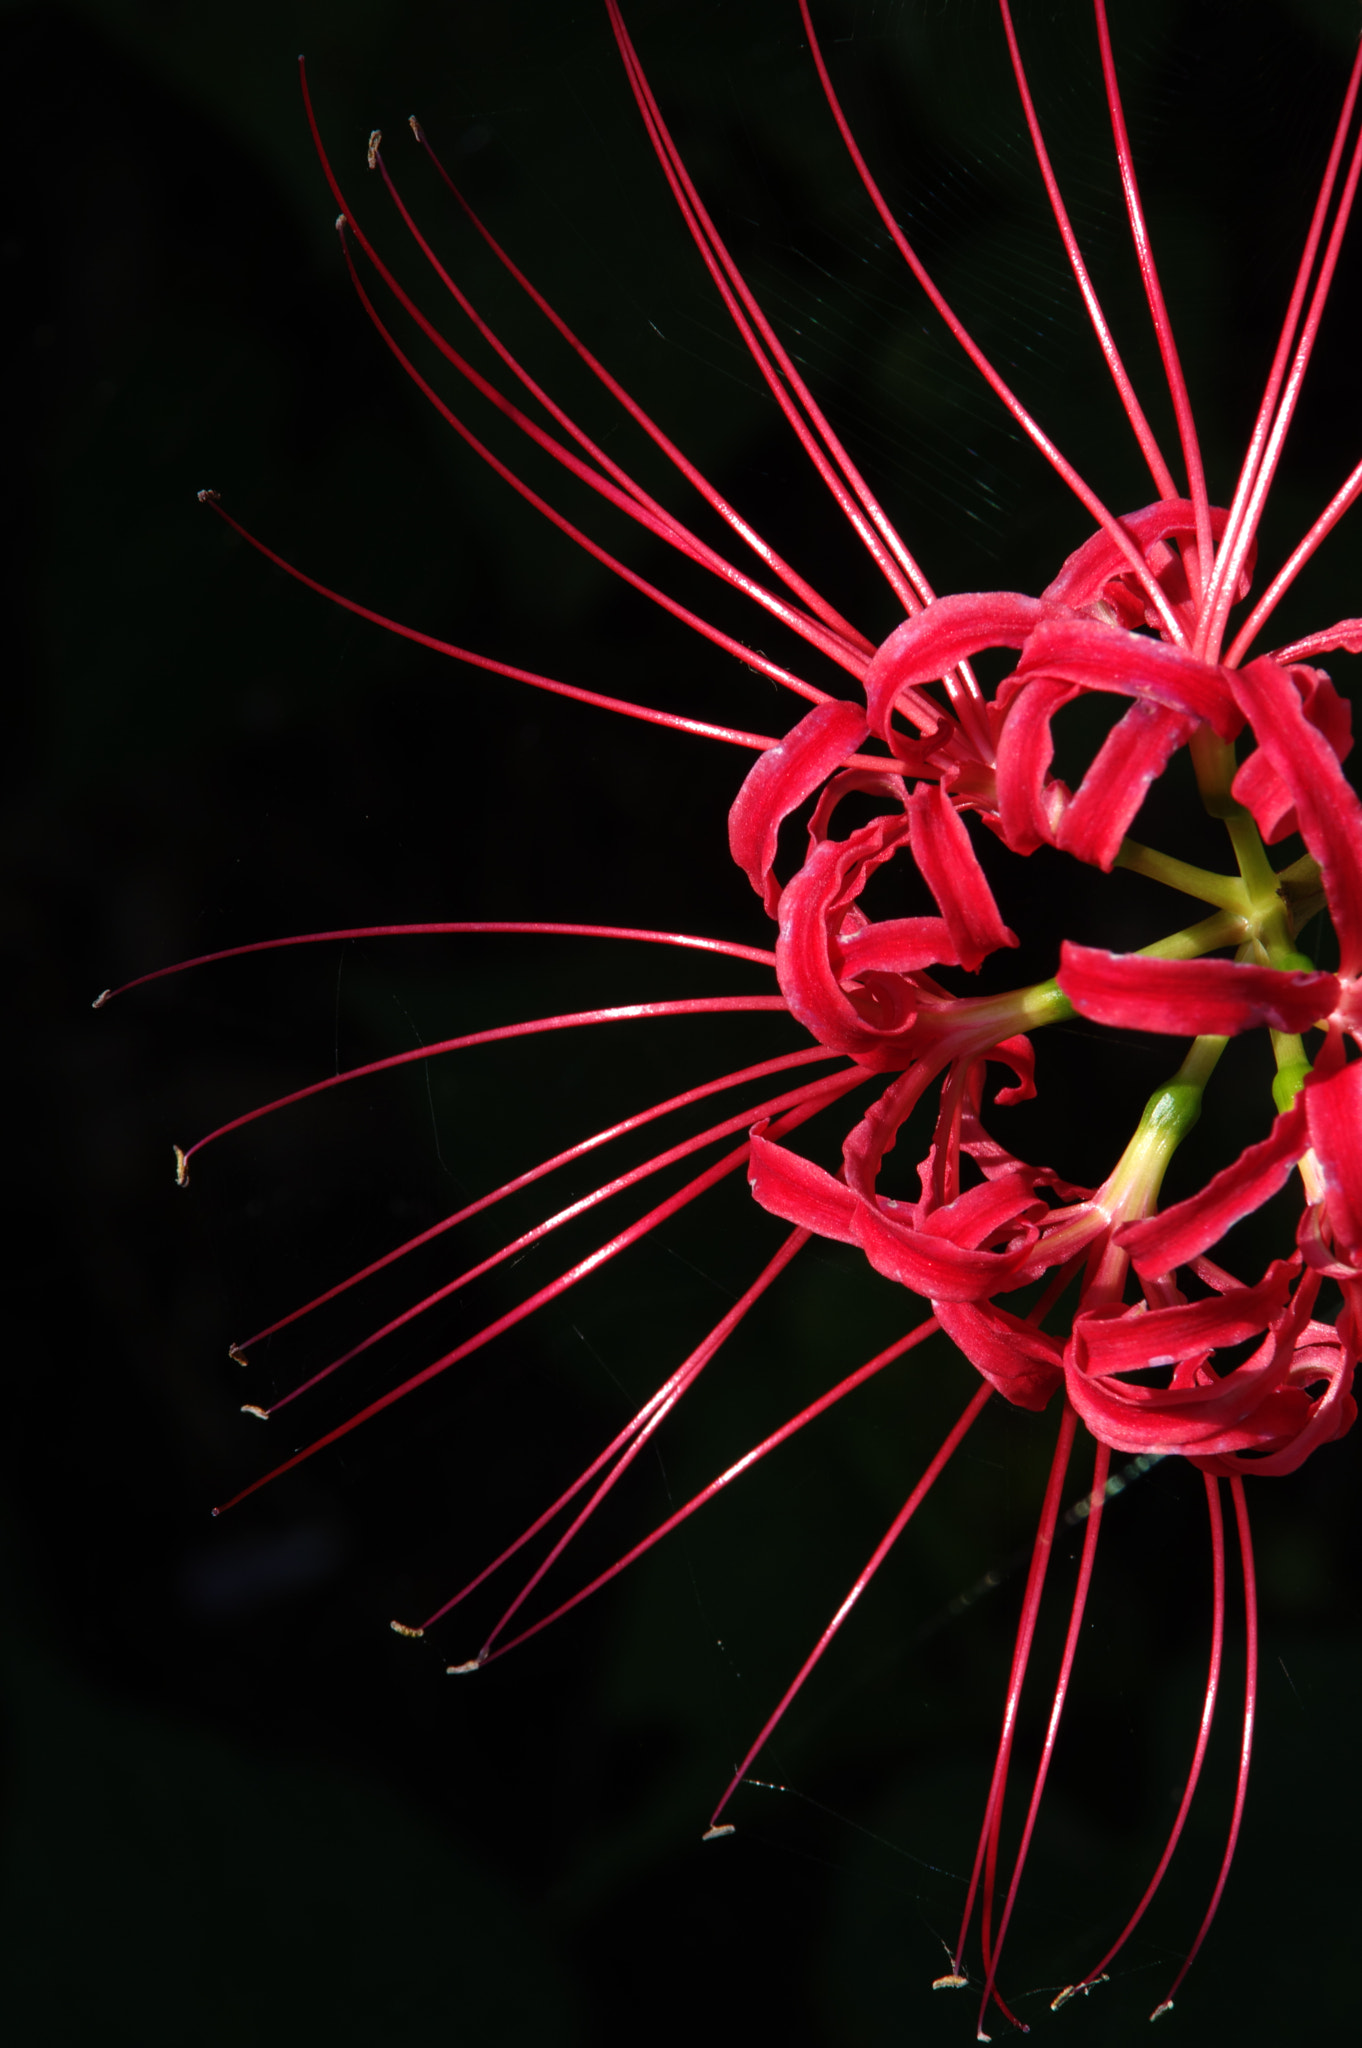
(238, 1808)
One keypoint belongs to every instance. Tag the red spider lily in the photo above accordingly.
(1141, 612)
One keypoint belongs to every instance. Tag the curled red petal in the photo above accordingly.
(1133, 755)
(1327, 810)
(1199, 1410)
(1023, 1363)
(1099, 572)
(1333, 1115)
(800, 1192)
(1189, 997)
(778, 782)
(1030, 807)
(1259, 786)
(950, 867)
(1313, 1406)
(1160, 1244)
(937, 639)
(1098, 657)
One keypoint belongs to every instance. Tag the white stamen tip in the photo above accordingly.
(462, 1670)
(209, 497)
(101, 1000)
(251, 1409)
(375, 142)
(1160, 2010)
(181, 1169)
(717, 1834)
(237, 1355)
(953, 1982)
(403, 1628)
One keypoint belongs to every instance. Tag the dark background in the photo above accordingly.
(238, 1808)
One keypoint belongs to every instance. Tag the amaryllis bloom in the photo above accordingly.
(880, 832)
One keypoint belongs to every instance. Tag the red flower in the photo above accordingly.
(1140, 611)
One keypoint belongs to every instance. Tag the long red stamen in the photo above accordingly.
(759, 742)
(986, 1855)
(549, 1292)
(749, 656)
(1158, 310)
(876, 1559)
(691, 1006)
(742, 1120)
(850, 490)
(686, 1377)
(1234, 551)
(676, 456)
(522, 927)
(698, 1500)
(1029, 426)
(1246, 1732)
(641, 506)
(1130, 404)
(627, 1125)
(1094, 1975)
(1096, 1499)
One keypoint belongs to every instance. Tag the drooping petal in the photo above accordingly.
(1098, 657)
(1023, 1363)
(800, 1192)
(950, 867)
(935, 640)
(1189, 997)
(1333, 1115)
(1133, 755)
(1258, 785)
(1030, 807)
(779, 781)
(1160, 1244)
(1327, 810)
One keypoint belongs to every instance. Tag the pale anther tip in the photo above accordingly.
(101, 999)
(249, 1408)
(209, 497)
(1160, 2010)
(404, 1628)
(716, 1834)
(181, 1167)
(462, 1670)
(237, 1355)
(952, 1982)
(375, 142)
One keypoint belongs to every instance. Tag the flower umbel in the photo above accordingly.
(922, 782)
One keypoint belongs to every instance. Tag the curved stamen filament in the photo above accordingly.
(522, 927)
(1198, 1756)
(627, 1125)
(742, 1120)
(749, 1458)
(986, 1855)
(876, 1559)
(787, 387)
(672, 720)
(1158, 310)
(1254, 455)
(1034, 432)
(1245, 1736)
(592, 1263)
(679, 460)
(1096, 1499)
(1130, 404)
(691, 1006)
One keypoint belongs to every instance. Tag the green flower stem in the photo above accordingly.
(1227, 891)
(1292, 1068)
(1226, 928)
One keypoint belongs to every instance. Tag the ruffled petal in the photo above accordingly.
(1023, 1363)
(1097, 657)
(1160, 1244)
(936, 640)
(1189, 997)
(1260, 788)
(950, 867)
(1327, 810)
(778, 782)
